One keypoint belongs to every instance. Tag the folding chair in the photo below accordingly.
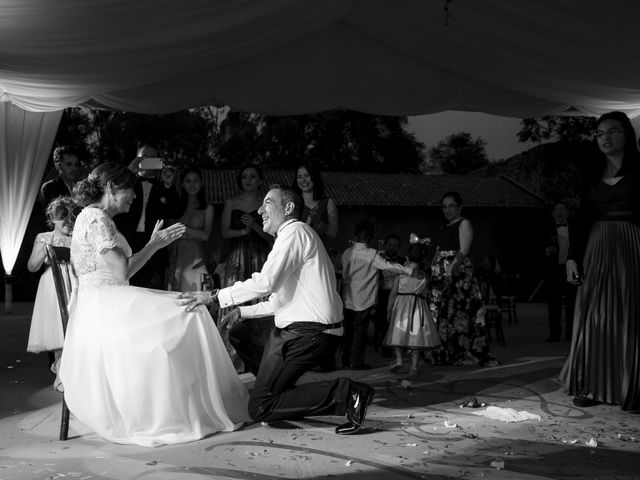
(63, 275)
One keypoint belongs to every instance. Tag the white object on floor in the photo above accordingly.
(507, 414)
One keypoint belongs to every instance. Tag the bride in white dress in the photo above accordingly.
(137, 368)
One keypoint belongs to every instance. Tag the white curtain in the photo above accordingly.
(25, 144)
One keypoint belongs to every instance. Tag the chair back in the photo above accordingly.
(63, 279)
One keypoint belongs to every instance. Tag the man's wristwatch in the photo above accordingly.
(213, 295)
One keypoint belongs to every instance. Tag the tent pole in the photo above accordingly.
(8, 294)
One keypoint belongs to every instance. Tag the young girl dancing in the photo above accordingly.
(46, 332)
(411, 325)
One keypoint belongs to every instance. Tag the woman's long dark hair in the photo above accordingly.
(200, 197)
(91, 189)
(631, 158)
(248, 166)
(316, 178)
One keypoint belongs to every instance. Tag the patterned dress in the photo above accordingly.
(457, 306)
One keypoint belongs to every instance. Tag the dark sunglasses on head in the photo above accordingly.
(63, 212)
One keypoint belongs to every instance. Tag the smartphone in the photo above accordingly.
(152, 163)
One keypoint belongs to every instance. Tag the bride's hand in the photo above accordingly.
(161, 237)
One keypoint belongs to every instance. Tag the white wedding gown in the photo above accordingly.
(136, 367)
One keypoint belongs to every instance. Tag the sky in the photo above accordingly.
(500, 133)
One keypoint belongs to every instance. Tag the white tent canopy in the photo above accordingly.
(515, 58)
(399, 57)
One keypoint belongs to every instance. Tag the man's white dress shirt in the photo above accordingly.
(298, 275)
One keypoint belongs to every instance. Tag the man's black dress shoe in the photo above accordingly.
(359, 400)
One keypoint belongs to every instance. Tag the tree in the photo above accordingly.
(556, 128)
(223, 137)
(339, 140)
(459, 153)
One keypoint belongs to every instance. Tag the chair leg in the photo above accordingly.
(64, 421)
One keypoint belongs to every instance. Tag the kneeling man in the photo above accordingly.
(299, 277)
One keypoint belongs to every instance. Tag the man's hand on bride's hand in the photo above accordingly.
(161, 237)
(191, 300)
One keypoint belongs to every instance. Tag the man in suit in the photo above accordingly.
(67, 164)
(137, 224)
(558, 290)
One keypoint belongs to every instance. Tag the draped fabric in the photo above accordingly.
(25, 144)
(519, 58)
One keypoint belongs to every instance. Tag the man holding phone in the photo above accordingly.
(137, 224)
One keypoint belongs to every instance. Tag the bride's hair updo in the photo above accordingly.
(91, 189)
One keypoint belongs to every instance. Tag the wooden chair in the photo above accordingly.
(63, 279)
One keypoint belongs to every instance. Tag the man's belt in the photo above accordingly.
(310, 328)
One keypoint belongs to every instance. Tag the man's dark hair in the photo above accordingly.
(60, 152)
(366, 227)
(288, 194)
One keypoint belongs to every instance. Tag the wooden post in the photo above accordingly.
(8, 294)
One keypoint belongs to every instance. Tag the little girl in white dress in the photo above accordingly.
(411, 325)
(46, 332)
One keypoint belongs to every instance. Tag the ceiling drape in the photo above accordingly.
(518, 58)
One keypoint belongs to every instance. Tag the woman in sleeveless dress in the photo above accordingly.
(188, 254)
(137, 368)
(604, 258)
(456, 301)
(249, 245)
(320, 210)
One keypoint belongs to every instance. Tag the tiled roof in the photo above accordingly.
(400, 189)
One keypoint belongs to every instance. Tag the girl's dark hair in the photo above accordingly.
(200, 197)
(416, 252)
(316, 178)
(452, 194)
(92, 188)
(631, 159)
(248, 166)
